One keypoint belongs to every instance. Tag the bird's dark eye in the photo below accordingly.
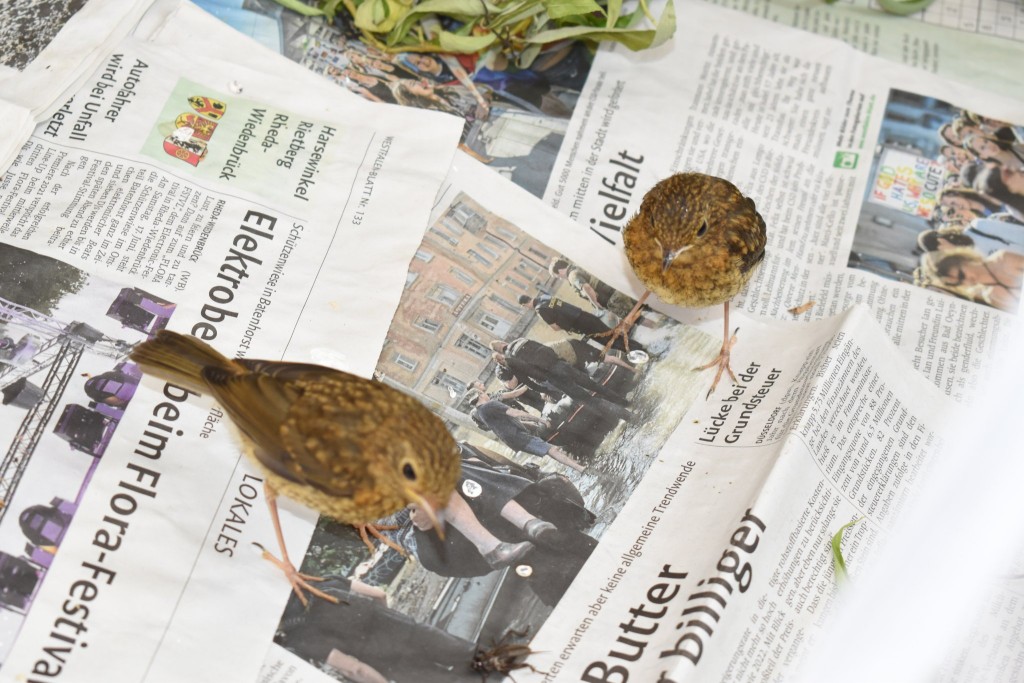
(408, 472)
(703, 229)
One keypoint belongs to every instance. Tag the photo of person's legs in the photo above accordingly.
(495, 552)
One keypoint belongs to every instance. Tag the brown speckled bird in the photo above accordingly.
(348, 447)
(695, 242)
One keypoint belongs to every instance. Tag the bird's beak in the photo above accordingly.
(669, 256)
(666, 260)
(433, 510)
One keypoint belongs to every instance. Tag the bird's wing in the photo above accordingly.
(330, 405)
(753, 240)
(285, 370)
(258, 405)
(752, 258)
(261, 404)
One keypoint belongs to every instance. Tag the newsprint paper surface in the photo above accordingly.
(198, 183)
(844, 156)
(661, 535)
(517, 118)
(962, 45)
(695, 545)
(48, 49)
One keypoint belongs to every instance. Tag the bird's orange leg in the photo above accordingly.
(722, 360)
(367, 530)
(622, 329)
(295, 578)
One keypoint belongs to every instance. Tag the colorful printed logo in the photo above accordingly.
(192, 131)
(208, 107)
(847, 160)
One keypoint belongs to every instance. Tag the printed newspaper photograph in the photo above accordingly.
(944, 208)
(515, 118)
(505, 339)
(66, 381)
(233, 171)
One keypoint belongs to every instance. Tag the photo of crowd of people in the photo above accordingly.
(516, 118)
(505, 339)
(944, 206)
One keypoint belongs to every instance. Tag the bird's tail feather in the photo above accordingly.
(181, 359)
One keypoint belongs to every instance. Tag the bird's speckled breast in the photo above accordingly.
(710, 268)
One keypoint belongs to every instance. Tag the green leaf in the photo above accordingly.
(463, 10)
(837, 551)
(646, 10)
(627, 19)
(516, 28)
(634, 39)
(614, 10)
(558, 9)
(527, 56)
(515, 13)
(379, 16)
(457, 8)
(330, 7)
(451, 42)
(904, 8)
(301, 8)
(453, 8)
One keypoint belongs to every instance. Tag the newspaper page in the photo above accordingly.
(969, 514)
(959, 50)
(515, 118)
(869, 194)
(870, 476)
(522, 127)
(637, 533)
(246, 204)
(856, 169)
(48, 48)
(987, 17)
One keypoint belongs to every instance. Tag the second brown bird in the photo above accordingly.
(348, 447)
(695, 242)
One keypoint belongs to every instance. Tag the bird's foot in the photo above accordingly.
(624, 326)
(297, 579)
(620, 330)
(367, 530)
(721, 362)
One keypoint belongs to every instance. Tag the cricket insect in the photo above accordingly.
(503, 657)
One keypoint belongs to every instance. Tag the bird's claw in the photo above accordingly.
(367, 530)
(616, 332)
(722, 362)
(624, 326)
(297, 579)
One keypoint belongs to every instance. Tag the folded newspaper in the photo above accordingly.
(694, 543)
(608, 517)
(197, 182)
